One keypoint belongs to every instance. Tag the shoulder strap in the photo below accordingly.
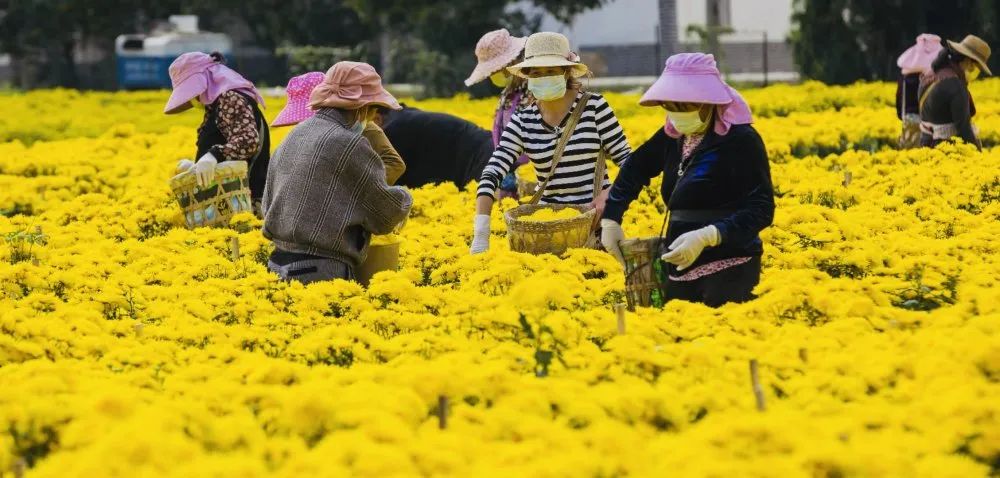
(599, 172)
(927, 92)
(567, 132)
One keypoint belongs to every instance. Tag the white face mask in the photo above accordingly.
(687, 122)
(547, 88)
(500, 79)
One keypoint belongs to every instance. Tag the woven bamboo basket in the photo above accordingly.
(525, 188)
(548, 237)
(229, 194)
(643, 272)
(381, 257)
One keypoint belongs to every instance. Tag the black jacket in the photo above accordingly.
(949, 102)
(728, 173)
(906, 95)
(437, 147)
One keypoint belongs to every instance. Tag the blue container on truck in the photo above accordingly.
(143, 61)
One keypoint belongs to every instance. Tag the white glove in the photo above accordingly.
(480, 234)
(204, 169)
(688, 246)
(184, 165)
(611, 235)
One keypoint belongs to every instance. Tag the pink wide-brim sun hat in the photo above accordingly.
(351, 85)
(918, 58)
(298, 90)
(494, 51)
(199, 75)
(188, 80)
(688, 78)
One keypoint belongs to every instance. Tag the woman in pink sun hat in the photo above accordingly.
(716, 184)
(297, 110)
(326, 189)
(233, 127)
(495, 51)
(914, 62)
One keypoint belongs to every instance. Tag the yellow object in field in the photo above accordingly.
(385, 240)
(546, 214)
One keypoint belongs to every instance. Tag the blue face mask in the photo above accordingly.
(547, 88)
(359, 127)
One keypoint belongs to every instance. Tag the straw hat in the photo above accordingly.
(494, 51)
(548, 49)
(974, 48)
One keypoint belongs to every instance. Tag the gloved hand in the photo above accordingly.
(184, 165)
(688, 246)
(204, 169)
(480, 234)
(611, 235)
(399, 227)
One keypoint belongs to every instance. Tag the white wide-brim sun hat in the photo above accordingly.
(548, 49)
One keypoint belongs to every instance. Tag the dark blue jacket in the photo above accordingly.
(726, 173)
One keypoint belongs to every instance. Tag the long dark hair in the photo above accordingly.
(950, 59)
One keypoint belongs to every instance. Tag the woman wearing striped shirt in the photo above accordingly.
(534, 131)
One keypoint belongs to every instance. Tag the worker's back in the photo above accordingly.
(437, 147)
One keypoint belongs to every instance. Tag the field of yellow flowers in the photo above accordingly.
(134, 347)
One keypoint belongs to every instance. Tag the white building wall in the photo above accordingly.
(631, 22)
(750, 18)
(620, 22)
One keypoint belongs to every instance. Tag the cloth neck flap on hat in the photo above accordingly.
(221, 79)
(735, 112)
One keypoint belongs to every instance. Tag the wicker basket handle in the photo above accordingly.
(561, 146)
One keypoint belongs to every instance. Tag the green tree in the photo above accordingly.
(842, 41)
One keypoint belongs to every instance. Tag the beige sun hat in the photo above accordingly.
(494, 51)
(974, 48)
(548, 49)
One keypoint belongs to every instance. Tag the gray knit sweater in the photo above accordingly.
(326, 192)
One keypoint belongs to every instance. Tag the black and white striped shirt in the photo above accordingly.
(573, 182)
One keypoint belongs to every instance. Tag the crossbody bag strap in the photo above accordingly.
(927, 92)
(567, 132)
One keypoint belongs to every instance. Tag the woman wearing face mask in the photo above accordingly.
(946, 107)
(912, 64)
(233, 128)
(326, 191)
(716, 185)
(297, 110)
(496, 51)
(552, 73)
